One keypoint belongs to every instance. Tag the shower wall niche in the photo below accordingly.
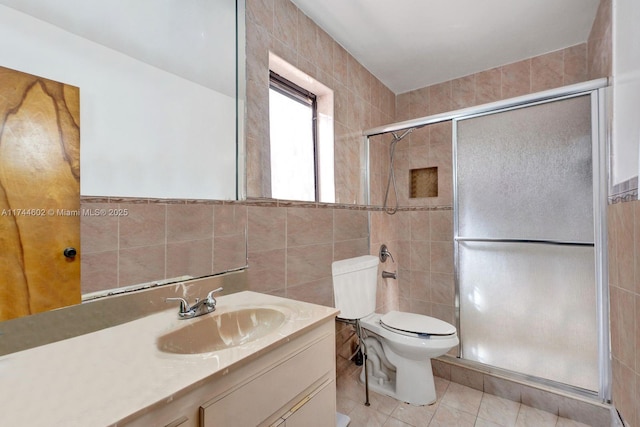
(423, 182)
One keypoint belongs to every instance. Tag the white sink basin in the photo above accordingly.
(221, 330)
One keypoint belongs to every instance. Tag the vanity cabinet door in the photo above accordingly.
(265, 396)
(318, 411)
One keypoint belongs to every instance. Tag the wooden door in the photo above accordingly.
(39, 194)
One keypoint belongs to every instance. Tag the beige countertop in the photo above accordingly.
(100, 378)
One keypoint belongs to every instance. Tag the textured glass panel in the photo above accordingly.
(527, 173)
(530, 308)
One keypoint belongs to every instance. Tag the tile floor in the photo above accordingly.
(457, 406)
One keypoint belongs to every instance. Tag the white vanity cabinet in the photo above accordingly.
(288, 384)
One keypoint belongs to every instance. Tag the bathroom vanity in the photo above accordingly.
(158, 371)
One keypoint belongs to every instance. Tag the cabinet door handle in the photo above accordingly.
(183, 419)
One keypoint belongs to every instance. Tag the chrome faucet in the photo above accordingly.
(199, 308)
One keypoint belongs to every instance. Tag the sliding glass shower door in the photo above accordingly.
(525, 242)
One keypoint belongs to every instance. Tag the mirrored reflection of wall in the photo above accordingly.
(130, 242)
(146, 132)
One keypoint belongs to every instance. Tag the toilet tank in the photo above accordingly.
(354, 286)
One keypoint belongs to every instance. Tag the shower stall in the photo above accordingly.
(529, 236)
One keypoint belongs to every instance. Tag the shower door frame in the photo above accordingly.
(599, 156)
(598, 92)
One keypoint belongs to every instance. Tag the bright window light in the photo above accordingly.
(292, 143)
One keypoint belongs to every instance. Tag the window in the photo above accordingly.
(293, 136)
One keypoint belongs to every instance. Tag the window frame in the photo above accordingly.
(305, 97)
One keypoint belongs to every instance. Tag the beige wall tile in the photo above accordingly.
(623, 234)
(261, 11)
(420, 225)
(636, 322)
(189, 222)
(98, 233)
(317, 292)
(285, 23)
(229, 252)
(350, 224)
(144, 226)
(502, 388)
(599, 50)
(624, 386)
(488, 86)
(267, 270)
(229, 220)
(540, 399)
(575, 64)
(441, 225)
(636, 239)
(584, 412)
(420, 287)
(420, 256)
(309, 226)
(440, 98)
(463, 92)
(442, 288)
(547, 71)
(308, 263)
(446, 313)
(141, 264)
(442, 257)
(350, 248)
(516, 79)
(467, 377)
(193, 257)
(99, 271)
(266, 227)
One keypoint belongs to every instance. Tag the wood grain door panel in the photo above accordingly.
(39, 194)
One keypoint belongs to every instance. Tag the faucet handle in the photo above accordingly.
(210, 297)
(384, 254)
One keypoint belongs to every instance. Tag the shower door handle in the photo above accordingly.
(535, 241)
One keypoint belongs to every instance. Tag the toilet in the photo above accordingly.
(399, 345)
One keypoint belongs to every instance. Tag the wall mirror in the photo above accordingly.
(161, 89)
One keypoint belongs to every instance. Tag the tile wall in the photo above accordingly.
(624, 292)
(291, 247)
(360, 100)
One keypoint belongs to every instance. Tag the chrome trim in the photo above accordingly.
(600, 188)
(366, 173)
(534, 241)
(547, 95)
(456, 250)
(519, 377)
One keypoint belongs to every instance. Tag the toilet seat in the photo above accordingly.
(416, 324)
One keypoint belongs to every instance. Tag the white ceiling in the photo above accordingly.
(409, 44)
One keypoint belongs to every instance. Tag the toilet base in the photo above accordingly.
(413, 384)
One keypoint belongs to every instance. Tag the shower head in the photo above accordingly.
(397, 138)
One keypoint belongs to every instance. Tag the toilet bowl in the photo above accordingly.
(408, 351)
(399, 345)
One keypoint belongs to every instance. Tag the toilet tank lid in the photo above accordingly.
(354, 264)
